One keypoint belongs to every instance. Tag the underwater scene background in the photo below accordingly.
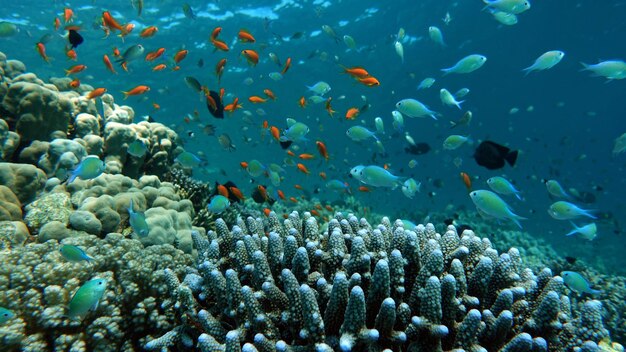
(133, 162)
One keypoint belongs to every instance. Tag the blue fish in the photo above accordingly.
(5, 315)
(138, 221)
(218, 204)
(90, 167)
(86, 298)
(188, 160)
(74, 253)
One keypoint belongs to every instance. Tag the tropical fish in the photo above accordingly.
(360, 133)
(137, 221)
(410, 187)
(502, 186)
(509, 6)
(214, 104)
(505, 18)
(86, 298)
(187, 160)
(577, 282)
(563, 210)
(461, 93)
(7, 29)
(546, 61)
(5, 315)
(74, 38)
(436, 35)
(137, 148)
(467, 64)
(448, 99)
(296, 131)
(320, 88)
(399, 50)
(218, 204)
(376, 176)
(454, 141)
(462, 121)
(587, 232)
(426, 83)
(414, 108)
(138, 90)
(491, 205)
(337, 185)
(556, 190)
(493, 155)
(90, 167)
(611, 69)
(251, 56)
(74, 253)
(188, 11)
(255, 168)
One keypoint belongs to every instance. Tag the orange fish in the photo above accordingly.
(98, 92)
(128, 27)
(321, 148)
(219, 70)
(302, 168)
(281, 195)
(210, 100)
(291, 153)
(41, 49)
(245, 36)
(287, 66)
(109, 22)
(148, 32)
(364, 189)
(269, 94)
(356, 71)
(293, 199)
(329, 107)
(256, 99)
(368, 81)
(176, 68)
(267, 211)
(318, 206)
(243, 164)
(352, 113)
(263, 192)
(75, 83)
(108, 63)
(305, 156)
(275, 132)
(328, 207)
(75, 69)
(156, 106)
(233, 106)
(467, 181)
(221, 189)
(57, 23)
(151, 56)
(323, 175)
(71, 54)
(251, 56)
(220, 45)
(302, 102)
(138, 90)
(215, 33)
(180, 55)
(222, 92)
(116, 52)
(236, 192)
(159, 67)
(68, 14)
(266, 124)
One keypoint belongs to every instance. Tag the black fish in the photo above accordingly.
(417, 149)
(285, 144)
(570, 260)
(75, 38)
(260, 198)
(218, 112)
(493, 155)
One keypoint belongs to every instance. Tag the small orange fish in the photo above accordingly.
(233, 106)
(256, 99)
(314, 212)
(356, 71)
(275, 132)
(215, 33)
(68, 14)
(222, 92)
(210, 101)
(75, 83)
(269, 94)
(180, 55)
(98, 92)
(298, 187)
(267, 211)
(329, 108)
(221, 189)
(328, 207)
(244, 165)
(57, 23)
(148, 32)
(287, 66)
(176, 68)
(245, 36)
(41, 49)
(293, 199)
(467, 181)
(302, 168)
(156, 106)
(352, 113)
(265, 124)
(318, 206)
(251, 56)
(116, 52)
(220, 45)
(368, 81)
(138, 90)
(263, 192)
(109, 22)
(153, 55)
(305, 156)
(236, 192)
(291, 153)
(108, 63)
(159, 67)
(71, 54)
(364, 189)
(219, 70)
(323, 175)
(128, 27)
(321, 148)
(281, 195)
(75, 69)
(302, 102)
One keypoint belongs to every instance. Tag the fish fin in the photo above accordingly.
(516, 221)
(511, 157)
(446, 71)
(458, 104)
(571, 233)
(594, 292)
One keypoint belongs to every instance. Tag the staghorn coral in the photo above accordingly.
(361, 287)
(37, 284)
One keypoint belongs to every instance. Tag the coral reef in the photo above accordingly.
(361, 287)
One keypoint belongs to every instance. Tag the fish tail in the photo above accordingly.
(511, 157)
(446, 71)
(588, 214)
(516, 221)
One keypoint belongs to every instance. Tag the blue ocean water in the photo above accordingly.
(565, 127)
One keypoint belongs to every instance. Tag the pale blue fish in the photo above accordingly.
(502, 186)
(296, 131)
(274, 178)
(577, 282)
(563, 210)
(398, 121)
(410, 187)
(505, 18)
(74, 253)
(467, 64)
(546, 61)
(218, 204)
(355, 172)
(426, 83)
(408, 224)
(461, 93)
(588, 232)
(137, 221)
(454, 141)
(5, 315)
(86, 298)
(414, 108)
(188, 160)
(380, 126)
(555, 189)
(316, 99)
(255, 168)
(137, 148)
(337, 185)
(509, 6)
(90, 167)
(320, 88)
(436, 36)
(360, 133)
(490, 204)
(448, 99)
(275, 76)
(610, 69)
(377, 176)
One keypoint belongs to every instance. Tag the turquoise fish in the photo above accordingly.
(320, 88)
(138, 221)
(337, 186)
(467, 64)
(87, 297)
(377, 176)
(74, 253)
(555, 189)
(563, 210)
(5, 315)
(137, 148)
(414, 108)
(587, 232)
(296, 131)
(490, 204)
(187, 160)
(502, 186)
(360, 133)
(90, 167)
(218, 204)
(577, 282)
(255, 168)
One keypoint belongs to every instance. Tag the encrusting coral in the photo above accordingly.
(357, 287)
